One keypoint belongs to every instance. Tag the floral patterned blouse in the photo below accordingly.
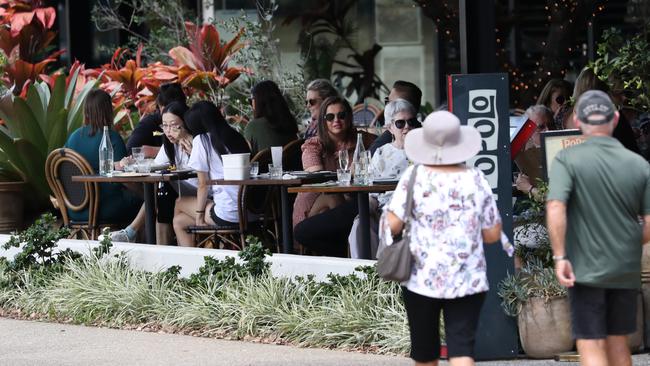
(449, 212)
(388, 162)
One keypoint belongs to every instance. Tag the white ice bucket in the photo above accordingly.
(236, 160)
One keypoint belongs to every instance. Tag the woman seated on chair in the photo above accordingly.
(273, 125)
(177, 146)
(214, 137)
(388, 162)
(116, 203)
(322, 222)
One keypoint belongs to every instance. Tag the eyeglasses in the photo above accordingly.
(412, 122)
(560, 99)
(170, 127)
(330, 116)
(386, 100)
(313, 102)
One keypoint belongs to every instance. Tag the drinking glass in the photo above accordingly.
(275, 172)
(344, 159)
(343, 176)
(137, 154)
(255, 168)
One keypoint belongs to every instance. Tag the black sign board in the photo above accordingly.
(481, 100)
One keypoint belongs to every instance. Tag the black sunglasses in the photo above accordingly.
(412, 122)
(312, 102)
(560, 99)
(330, 116)
(386, 100)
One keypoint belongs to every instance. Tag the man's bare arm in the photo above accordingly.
(646, 229)
(556, 223)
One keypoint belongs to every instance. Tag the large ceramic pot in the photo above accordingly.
(12, 206)
(545, 327)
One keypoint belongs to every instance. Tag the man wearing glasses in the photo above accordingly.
(404, 90)
(317, 91)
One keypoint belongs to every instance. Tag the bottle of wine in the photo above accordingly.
(358, 161)
(106, 155)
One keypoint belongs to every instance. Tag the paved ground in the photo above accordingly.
(35, 343)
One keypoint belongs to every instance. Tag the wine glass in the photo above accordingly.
(344, 159)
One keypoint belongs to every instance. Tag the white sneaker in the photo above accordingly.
(120, 236)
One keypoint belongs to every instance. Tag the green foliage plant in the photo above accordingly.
(35, 126)
(625, 59)
(39, 245)
(231, 299)
(535, 279)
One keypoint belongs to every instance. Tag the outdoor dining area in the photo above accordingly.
(257, 193)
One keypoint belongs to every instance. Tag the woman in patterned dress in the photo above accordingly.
(454, 213)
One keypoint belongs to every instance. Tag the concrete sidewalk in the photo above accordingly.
(36, 343)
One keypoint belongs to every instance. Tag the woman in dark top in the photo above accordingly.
(273, 125)
(116, 203)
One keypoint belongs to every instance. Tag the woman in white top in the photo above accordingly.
(214, 137)
(177, 143)
(390, 161)
(177, 146)
(454, 213)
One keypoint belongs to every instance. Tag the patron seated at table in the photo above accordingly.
(273, 125)
(146, 133)
(322, 222)
(116, 202)
(177, 147)
(404, 90)
(388, 162)
(214, 138)
(317, 91)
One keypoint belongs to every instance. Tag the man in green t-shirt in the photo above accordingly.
(597, 192)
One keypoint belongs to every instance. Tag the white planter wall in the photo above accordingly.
(156, 257)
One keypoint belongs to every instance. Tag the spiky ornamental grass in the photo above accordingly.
(349, 312)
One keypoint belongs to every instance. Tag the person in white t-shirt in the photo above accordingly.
(177, 146)
(214, 137)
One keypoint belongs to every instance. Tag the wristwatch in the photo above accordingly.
(557, 258)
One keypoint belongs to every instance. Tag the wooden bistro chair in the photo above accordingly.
(257, 210)
(60, 166)
(292, 155)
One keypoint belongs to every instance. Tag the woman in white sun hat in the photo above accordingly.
(453, 214)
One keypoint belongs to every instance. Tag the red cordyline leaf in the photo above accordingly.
(46, 16)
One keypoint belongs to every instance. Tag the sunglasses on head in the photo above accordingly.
(312, 102)
(330, 116)
(412, 122)
(560, 99)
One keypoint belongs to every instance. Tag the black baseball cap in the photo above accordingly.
(594, 107)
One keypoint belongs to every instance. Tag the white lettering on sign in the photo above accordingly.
(483, 116)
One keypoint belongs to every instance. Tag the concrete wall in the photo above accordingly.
(154, 258)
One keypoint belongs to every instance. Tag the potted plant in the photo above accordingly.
(541, 306)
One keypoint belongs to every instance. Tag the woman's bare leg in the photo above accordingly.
(184, 216)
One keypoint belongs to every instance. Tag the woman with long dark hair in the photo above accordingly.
(323, 222)
(273, 125)
(177, 147)
(213, 138)
(117, 204)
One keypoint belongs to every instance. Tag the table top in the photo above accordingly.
(374, 188)
(145, 178)
(266, 181)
